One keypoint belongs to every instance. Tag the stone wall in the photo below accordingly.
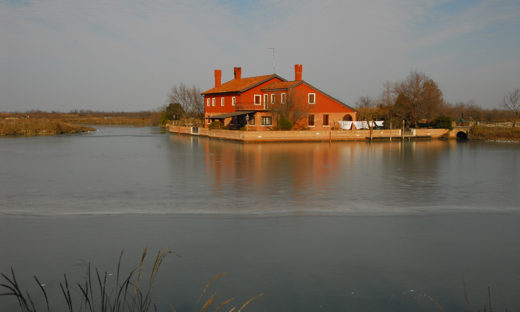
(306, 135)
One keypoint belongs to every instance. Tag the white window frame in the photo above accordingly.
(259, 101)
(267, 118)
(273, 98)
(266, 98)
(213, 102)
(222, 101)
(233, 101)
(208, 102)
(309, 98)
(283, 98)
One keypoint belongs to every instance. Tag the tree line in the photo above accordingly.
(419, 102)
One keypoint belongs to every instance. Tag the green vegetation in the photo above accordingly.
(284, 123)
(442, 122)
(217, 124)
(99, 291)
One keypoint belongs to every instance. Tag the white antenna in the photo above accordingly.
(274, 67)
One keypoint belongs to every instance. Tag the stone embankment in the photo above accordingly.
(309, 135)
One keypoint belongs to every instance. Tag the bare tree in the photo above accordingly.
(291, 111)
(189, 98)
(418, 97)
(512, 102)
(366, 108)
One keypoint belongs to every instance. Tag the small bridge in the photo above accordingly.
(459, 132)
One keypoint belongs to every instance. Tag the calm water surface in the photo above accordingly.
(314, 226)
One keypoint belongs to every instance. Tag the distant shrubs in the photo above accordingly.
(284, 123)
(442, 122)
(495, 133)
(217, 124)
(34, 127)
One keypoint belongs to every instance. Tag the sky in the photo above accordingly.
(119, 55)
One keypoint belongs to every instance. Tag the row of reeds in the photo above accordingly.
(495, 133)
(131, 292)
(33, 127)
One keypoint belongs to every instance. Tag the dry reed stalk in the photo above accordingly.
(232, 309)
(250, 300)
(139, 268)
(214, 278)
(223, 304)
(208, 303)
(489, 300)
(466, 297)
(172, 308)
(437, 304)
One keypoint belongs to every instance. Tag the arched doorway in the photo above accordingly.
(347, 117)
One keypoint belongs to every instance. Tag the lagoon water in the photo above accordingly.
(314, 226)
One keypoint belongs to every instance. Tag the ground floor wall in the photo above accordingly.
(266, 121)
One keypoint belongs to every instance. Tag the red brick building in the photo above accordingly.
(259, 101)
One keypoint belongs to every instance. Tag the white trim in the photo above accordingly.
(266, 98)
(208, 102)
(273, 98)
(254, 99)
(309, 98)
(222, 101)
(283, 98)
(233, 101)
(213, 102)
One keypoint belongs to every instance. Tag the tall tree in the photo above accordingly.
(512, 102)
(418, 97)
(290, 111)
(189, 98)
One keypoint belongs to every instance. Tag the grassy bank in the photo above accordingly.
(495, 133)
(137, 119)
(35, 127)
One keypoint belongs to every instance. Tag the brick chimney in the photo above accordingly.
(298, 68)
(218, 78)
(238, 72)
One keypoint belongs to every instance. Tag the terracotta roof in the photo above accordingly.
(282, 85)
(238, 85)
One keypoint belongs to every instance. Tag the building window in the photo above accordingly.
(258, 99)
(207, 102)
(252, 120)
(221, 101)
(233, 101)
(311, 120)
(312, 98)
(267, 120)
(213, 102)
(266, 98)
(325, 120)
(273, 98)
(283, 97)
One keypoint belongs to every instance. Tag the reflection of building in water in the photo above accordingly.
(271, 167)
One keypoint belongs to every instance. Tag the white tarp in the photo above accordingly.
(345, 125)
(359, 125)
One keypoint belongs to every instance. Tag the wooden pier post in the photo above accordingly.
(402, 132)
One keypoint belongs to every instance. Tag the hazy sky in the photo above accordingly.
(126, 55)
